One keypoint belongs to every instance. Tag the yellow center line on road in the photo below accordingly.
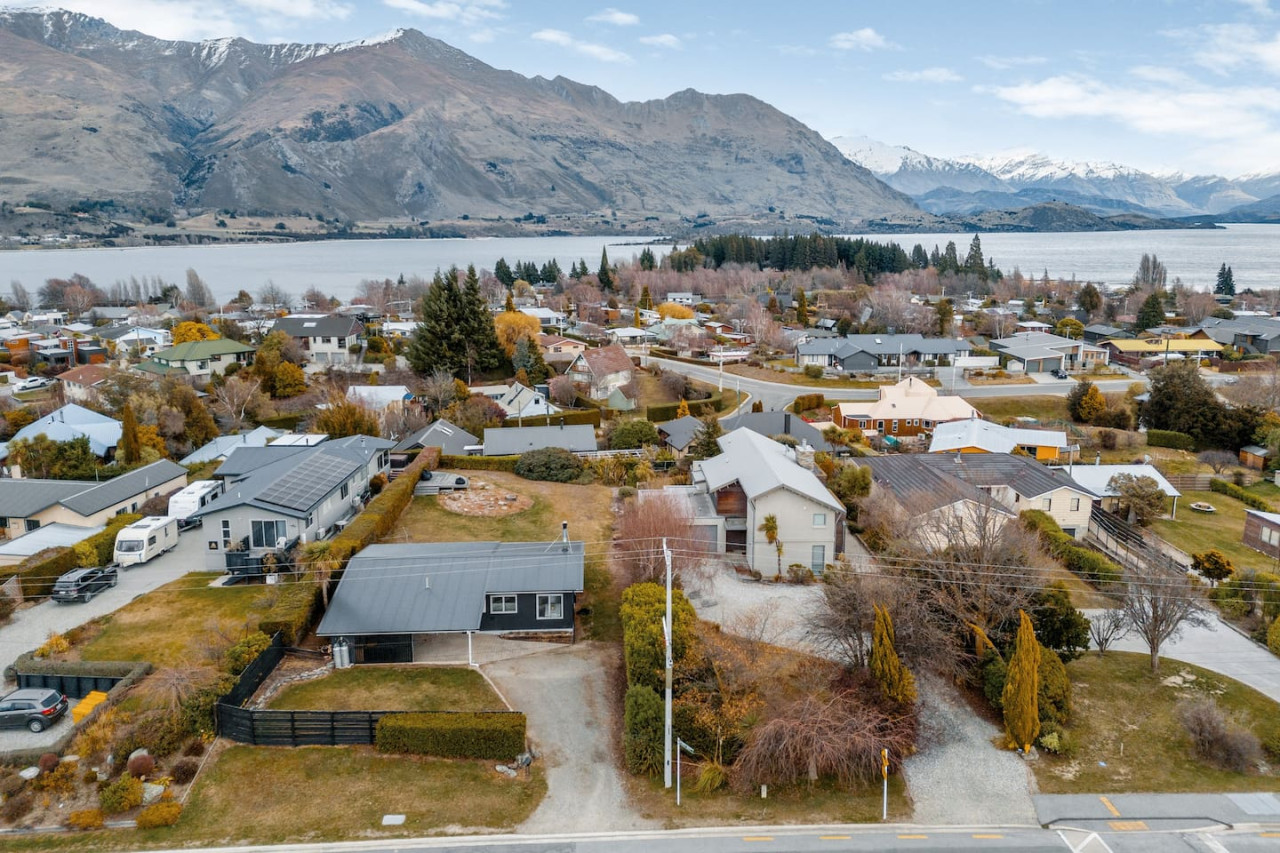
(757, 838)
(1269, 834)
(835, 837)
(912, 837)
(987, 835)
(1115, 812)
(1128, 825)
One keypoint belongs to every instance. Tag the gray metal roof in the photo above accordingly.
(125, 486)
(23, 498)
(681, 431)
(49, 536)
(512, 441)
(937, 479)
(452, 440)
(780, 423)
(243, 461)
(907, 344)
(441, 586)
(318, 327)
(260, 489)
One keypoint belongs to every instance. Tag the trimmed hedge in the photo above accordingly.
(667, 411)
(588, 416)
(492, 735)
(1249, 499)
(808, 402)
(1169, 438)
(480, 463)
(1085, 562)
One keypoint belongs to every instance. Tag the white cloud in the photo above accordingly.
(1232, 46)
(924, 75)
(1260, 7)
(863, 39)
(298, 9)
(1162, 74)
(462, 11)
(1004, 63)
(585, 48)
(666, 40)
(615, 17)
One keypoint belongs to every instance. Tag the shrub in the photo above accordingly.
(478, 463)
(1054, 694)
(12, 784)
(1214, 740)
(1273, 636)
(813, 371)
(86, 819)
(195, 749)
(553, 464)
(493, 736)
(633, 434)
(1247, 498)
(184, 771)
(799, 574)
(17, 807)
(993, 672)
(245, 652)
(159, 814)
(642, 726)
(809, 402)
(1169, 438)
(141, 765)
(60, 781)
(48, 762)
(195, 716)
(121, 795)
(377, 484)
(54, 644)
(626, 492)
(1107, 438)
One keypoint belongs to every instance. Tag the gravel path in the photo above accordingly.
(564, 694)
(775, 613)
(958, 777)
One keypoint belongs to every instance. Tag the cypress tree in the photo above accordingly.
(646, 301)
(1022, 686)
(896, 681)
(130, 447)
(682, 411)
(802, 308)
(606, 272)
(502, 272)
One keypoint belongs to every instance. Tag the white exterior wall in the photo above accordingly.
(795, 528)
(333, 352)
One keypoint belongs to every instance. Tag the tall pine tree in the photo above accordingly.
(502, 272)
(606, 272)
(484, 352)
(1022, 687)
(1151, 314)
(802, 308)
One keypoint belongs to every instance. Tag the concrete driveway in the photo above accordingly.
(564, 693)
(22, 739)
(28, 628)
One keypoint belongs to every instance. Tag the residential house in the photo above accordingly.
(133, 340)
(601, 370)
(1262, 532)
(1097, 479)
(1038, 352)
(717, 329)
(1254, 456)
(545, 316)
(28, 504)
(684, 297)
(297, 497)
(908, 408)
(1248, 334)
(1011, 482)
(1100, 333)
(68, 423)
(56, 535)
(452, 440)
(221, 447)
(869, 353)
(518, 401)
(1143, 352)
(326, 339)
(512, 441)
(393, 598)
(678, 434)
(631, 336)
(752, 478)
(198, 359)
(978, 436)
(80, 384)
(557, 348)
(775, 424)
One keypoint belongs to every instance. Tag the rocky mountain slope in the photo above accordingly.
(399, 127)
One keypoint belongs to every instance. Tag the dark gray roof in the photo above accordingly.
(318, 327)
(452, 440)
(908, 344)
(22, 498)
(918, 485)
(681, 431)
(385, 588)
(952, 475)
(125, 486)
(780, 423)
(511, 441)
(243, 461)
(1102, 329)
(317, 470)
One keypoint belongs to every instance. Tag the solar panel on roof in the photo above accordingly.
(302, 487)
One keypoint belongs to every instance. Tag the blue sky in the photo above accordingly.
(1192, 85)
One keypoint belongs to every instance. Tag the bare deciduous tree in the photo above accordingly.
(1158, 606)
(1218, 460)
(642, 527)
(274, 297)
(198, 293)
(1108, 627)
(236, 399)
(439, 390)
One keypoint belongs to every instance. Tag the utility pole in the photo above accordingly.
(666, 634)
(884, 771)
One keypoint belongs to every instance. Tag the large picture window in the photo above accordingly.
(551, 606)
(265, 534)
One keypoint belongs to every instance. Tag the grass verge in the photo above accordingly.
(379, 688)
(789, 378)
(823, 803)
(1128, 739)
(1042, 407)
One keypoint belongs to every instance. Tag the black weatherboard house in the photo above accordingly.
(392, 595)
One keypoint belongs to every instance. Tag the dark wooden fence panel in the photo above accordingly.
(297, 728)
(75, 686)
(255, 673)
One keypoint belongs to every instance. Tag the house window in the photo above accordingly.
(551, 606)
(819, 519)
(1048, 504)
(202, 365)
(226, 533)
(326, 340)
(33, 524)
(895, 426)
(342, 342)
(502, 604)
(265, 534)
(4, 522)
(1075, 504)
(1270, 535)
(818, 559)
(346, 490)
(879, 426)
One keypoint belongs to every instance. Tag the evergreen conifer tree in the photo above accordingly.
(502, 272)
(646, 301)
(802, 308)
(130, 447)
(704, 444)
(481, 339)
(682, 411)
(1151, 314)
(896, 681)
(606, 272)
(1022, 686)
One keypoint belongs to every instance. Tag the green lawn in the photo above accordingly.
(1042, 407)
(1199, 531)
(1267, 490)
(172, 625)
(380, 688)
(1128, 739)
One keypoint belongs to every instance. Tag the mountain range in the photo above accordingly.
(969, 185)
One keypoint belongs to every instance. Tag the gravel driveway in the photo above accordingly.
(958, 777)
(564, 694)
(28, 628)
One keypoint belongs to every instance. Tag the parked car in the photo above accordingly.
(1059, 373)
(33, 383)
(84, 584)
(37, 708)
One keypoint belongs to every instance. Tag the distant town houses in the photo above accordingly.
(517, 401)
(198, 359)
(869, 353)
(1039, 352)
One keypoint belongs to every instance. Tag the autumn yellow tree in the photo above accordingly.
(188, 331)
(673, 311)
(289, 380)
(511, 326)
(682, 411)
(895, 680)
(1022, 686)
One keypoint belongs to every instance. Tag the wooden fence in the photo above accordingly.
(297, 728)
(1200, 482)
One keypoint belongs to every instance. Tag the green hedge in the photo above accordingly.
(480, 463)
(587, 416)
(808, 402)
(667, 411)
(1085, 562)
(293, 611)
(494, 736)
(644, 607)
(1169, 438)
(1249, 499)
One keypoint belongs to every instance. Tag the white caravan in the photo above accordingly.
(193, 497)
(144, 539)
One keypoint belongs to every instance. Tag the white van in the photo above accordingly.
(142, 540)
(193, 497)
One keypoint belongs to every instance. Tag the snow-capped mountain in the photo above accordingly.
(1019, 178)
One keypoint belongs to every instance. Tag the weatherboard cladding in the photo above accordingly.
(125, 486)
(443, 587)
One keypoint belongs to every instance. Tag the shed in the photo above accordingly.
(1254, 456)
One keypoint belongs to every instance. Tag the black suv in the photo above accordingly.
(37, 708)
(1059, 373)
(84, 584)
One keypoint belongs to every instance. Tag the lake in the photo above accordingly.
(336, 267)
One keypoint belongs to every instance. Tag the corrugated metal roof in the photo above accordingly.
(435, 587)
(23, 498)
(49, 536)
(780, 423)
(125, 486)
(761, 465)
(990, 437)
(316, 327)
(1096, 478)
(243, 461)
(681, 431)
(511, 441)
(452, 440)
